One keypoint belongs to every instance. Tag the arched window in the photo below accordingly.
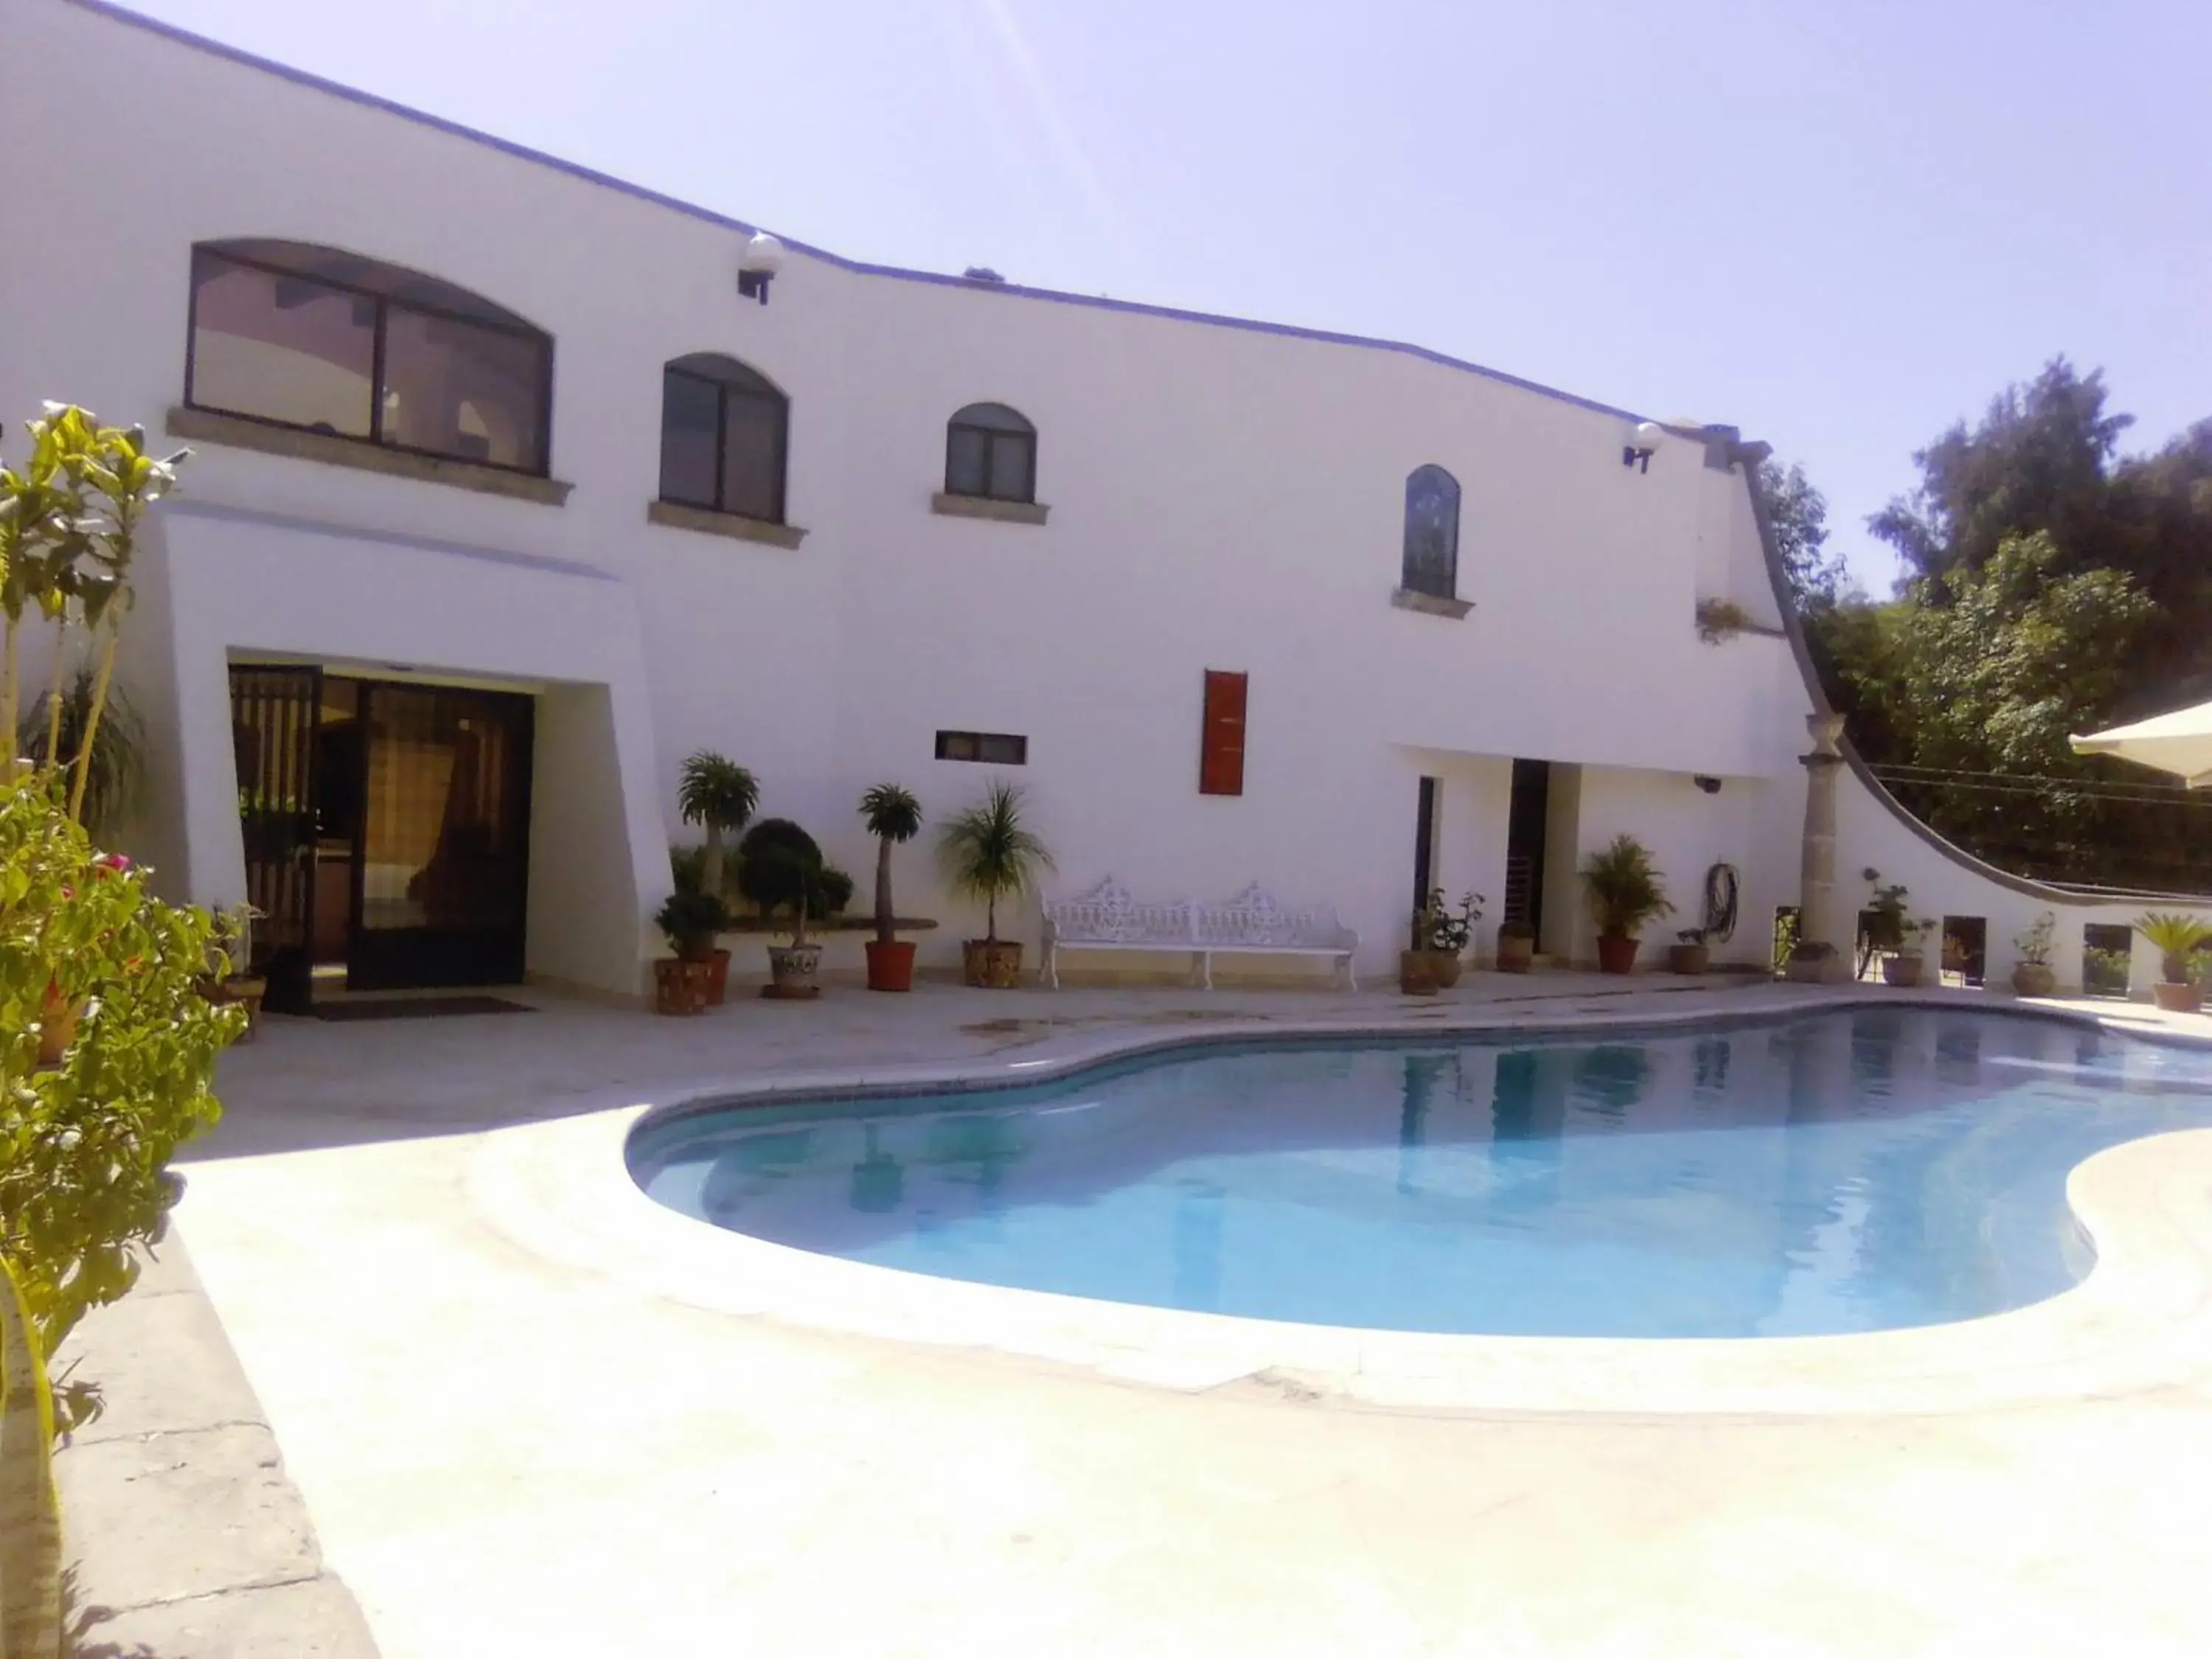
(1432, 532)
(723, 434)
(990, 450)
(309, 337)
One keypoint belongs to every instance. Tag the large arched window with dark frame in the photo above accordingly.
(1431, 546)
(291, 334)
(990, 452)
(724, 431)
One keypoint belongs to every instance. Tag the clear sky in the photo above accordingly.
(1839, 225)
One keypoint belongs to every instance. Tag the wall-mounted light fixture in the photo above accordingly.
(1711, 785)
(1642, 444)
(764, 258)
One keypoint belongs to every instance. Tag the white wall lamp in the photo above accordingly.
(1642, 442)
(764, 258)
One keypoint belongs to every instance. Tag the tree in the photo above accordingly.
(1799, 515)
(2039, 460)
(1988, 669)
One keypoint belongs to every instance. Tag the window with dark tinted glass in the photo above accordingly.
(990, 450)
(330, 342)
(723, 431)
(1432, 547)
(999, 748)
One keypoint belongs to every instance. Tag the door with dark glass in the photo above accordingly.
(273, 713)
(441, 866)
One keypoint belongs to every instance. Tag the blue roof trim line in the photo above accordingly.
(894, 273)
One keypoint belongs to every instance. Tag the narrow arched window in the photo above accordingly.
(990, 450)
(724, 430)
(1431, 563)
(301, 335)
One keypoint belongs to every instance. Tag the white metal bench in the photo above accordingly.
(1107, 918)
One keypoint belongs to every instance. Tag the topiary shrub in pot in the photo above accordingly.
(2174, 937)
(1516, 947)
(1625, 891)
(989, 852)
(1900, 940)
(893, 818)
(780, 869)
(690, 919)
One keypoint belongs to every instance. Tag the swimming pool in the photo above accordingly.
(1855, 1170)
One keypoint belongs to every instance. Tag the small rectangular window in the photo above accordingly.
(1221, 735)
(994, 748)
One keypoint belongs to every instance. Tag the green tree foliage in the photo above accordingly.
(2052, 585)
(1799, 515)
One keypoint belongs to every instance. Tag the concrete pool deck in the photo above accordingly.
(514, 1438)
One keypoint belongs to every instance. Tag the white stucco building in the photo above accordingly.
(468, 420)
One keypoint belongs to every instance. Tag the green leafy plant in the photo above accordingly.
(85, 1144)
(780, 869)
(2035, 945)
(1436, 926)
(690, 917)
(989, 852)
(2175, 937)
(1625, 887)
(1889, 931)
(1721, 619)
(115, 773)
(894, 817)
(687, 868)
(717, 794)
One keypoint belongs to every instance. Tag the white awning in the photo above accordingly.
(2180, 743)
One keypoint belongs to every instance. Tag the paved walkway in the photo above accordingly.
(507, 1455)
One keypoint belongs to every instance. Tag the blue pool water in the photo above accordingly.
(1846, 1171)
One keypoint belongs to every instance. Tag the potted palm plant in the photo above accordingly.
(894, 817)
(690, 917)
(2175, 937)
(1625, 891)
(989, 852)
(716, 793)
(780, 869)
(2031, 976)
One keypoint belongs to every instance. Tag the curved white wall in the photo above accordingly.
(1222, 497)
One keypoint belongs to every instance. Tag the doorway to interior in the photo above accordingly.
(387, 827)
(1528, 827)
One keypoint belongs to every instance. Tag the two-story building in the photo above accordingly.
(513, 484)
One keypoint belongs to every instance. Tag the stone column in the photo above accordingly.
(1819, 956)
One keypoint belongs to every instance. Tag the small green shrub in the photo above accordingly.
(1626, 890)
(780, 869)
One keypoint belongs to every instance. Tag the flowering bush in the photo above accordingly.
(85, 1143)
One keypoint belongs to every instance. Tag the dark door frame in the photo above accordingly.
(416, 958)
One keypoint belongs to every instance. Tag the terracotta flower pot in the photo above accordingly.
(794, 973)
(994, 964)
(2177, 998)
(1616, 955)
(1515, 953)
(1688, 958)
(680, 986)
(2034, 979)
(1444, 966)
(718, 976)
(1417, 972)
(1901, 971)
(891, 964)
